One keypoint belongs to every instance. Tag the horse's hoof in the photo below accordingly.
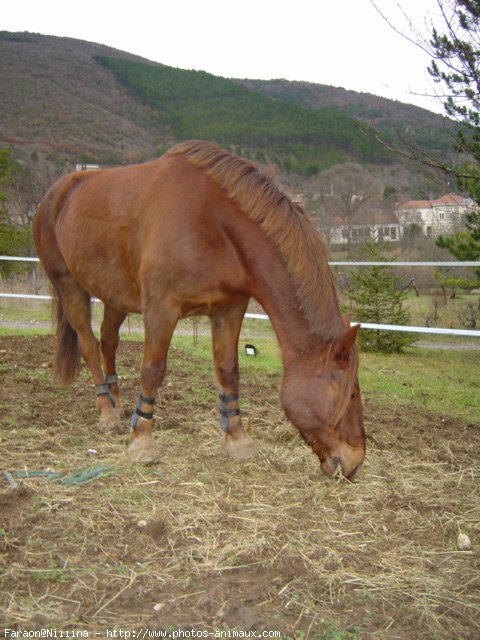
(143, 450)
(111, 424)
(240, 449)
(123, 410)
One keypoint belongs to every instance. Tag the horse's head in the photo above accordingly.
(321, 396)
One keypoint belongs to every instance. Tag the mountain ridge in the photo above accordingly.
(388, 116)
(58, 101)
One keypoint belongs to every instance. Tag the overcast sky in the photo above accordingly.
(342, 43)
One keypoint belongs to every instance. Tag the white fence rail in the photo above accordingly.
(365, 325)
(452, 263)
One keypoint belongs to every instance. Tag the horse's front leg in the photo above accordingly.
(226, 326)
(159, 324)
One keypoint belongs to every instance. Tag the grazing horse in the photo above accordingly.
(199, 231)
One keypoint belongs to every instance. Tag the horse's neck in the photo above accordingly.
(273, 287)
(276, 293)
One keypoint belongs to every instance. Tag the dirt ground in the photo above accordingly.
(199, 542)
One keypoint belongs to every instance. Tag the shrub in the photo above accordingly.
(377, 297)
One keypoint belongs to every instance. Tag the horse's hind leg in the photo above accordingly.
(226, 326)
(112, 321)
(74, 305)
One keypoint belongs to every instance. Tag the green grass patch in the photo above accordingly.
(20, 331)
(441, 381)
(438, 380)
(267, 359)
(436, 311)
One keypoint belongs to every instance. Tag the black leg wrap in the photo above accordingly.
(138, 413)
(225, 413)
(111, 378)
(104, 390)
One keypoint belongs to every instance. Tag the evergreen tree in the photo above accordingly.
(465, 245)
(377, 297)
(456, 65)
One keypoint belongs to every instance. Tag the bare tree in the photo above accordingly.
(450, 37)
(345, 190)
(26, 189)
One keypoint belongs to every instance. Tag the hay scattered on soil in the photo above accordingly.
(268, 544)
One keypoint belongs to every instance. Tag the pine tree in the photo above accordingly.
(465, 245)
(456, 65)
(378, 298)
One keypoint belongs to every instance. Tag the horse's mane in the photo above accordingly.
(286, 224)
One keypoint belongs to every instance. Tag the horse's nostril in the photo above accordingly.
(336, 461)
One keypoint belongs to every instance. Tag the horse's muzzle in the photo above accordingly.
(332, 466)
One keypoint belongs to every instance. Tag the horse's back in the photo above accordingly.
(137, 193)
(130, 232)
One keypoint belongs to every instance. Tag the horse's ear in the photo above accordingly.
(345, 345)
(346, 317)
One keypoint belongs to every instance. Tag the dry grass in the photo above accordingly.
(265, 544)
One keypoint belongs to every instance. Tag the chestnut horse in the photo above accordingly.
(199, 232)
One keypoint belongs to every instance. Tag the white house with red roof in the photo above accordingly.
(435, 217)
(376, 227)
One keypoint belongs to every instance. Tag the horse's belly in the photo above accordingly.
(209, 304)
(105, 270)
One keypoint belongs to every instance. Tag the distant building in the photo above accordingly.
(378, 227)
(443, 216)
(435, 217)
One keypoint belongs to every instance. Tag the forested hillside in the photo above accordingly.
(392, 119)
(64, 101)
(195, 104)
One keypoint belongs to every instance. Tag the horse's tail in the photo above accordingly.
(67, 352)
